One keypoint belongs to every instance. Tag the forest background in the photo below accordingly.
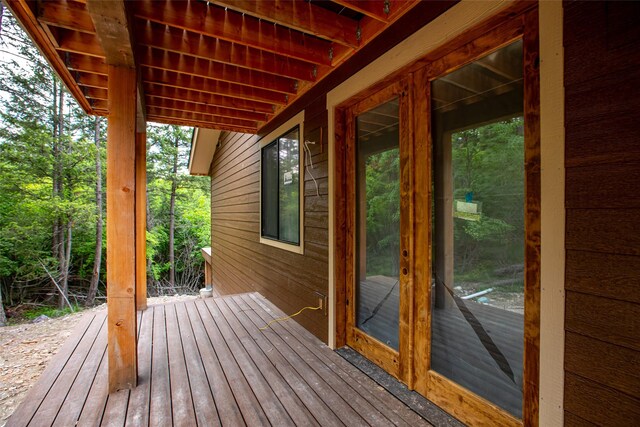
(52, 194)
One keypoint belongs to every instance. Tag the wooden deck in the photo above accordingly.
(206, 363)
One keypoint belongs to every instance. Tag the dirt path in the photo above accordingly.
(25, 350)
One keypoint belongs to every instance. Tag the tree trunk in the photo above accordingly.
(172, 220)
(1, 15)
(55, 248)
(62, 302)
(151, 283)
(3, 316)
(63, 266)
(95, 278)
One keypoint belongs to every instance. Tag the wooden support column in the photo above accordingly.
(121, 228)
(141, 220)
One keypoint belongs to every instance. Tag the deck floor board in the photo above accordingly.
(207, 363)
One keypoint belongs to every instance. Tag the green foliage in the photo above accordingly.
(168, 148)
(488, 167)
(33, 155)
(50, 311)
(383, 213)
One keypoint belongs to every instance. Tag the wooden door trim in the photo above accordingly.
(519, 21)
(452, 397)
(376, 351)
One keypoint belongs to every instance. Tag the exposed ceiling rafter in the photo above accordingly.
(225, 64)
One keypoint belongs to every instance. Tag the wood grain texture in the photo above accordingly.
(613, 231)
(465, 405)
(588, 399)
(609, 185)
(531, 63)
(615, 276)
(616, 367)
(121, 242)
(407, 231)
(239, 262)
(613, 321)
(231, 372)
(422, 230)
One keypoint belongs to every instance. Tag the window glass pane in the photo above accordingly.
(378, 223)
(478, 248)
(289, 182)
(270, 190)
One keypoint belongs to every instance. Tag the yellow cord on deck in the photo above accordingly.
(289, 317)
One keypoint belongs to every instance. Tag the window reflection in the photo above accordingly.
(478, 248)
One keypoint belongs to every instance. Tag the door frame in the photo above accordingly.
(392, 361)
(520, 21)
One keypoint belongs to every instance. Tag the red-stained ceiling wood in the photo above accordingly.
(303, 16)
(196, 97)
(214, 110)
(201, 84)
(164, 60)
(224, 64)
(72, 15)
(226, 24)
(372, 9)
(193, 44)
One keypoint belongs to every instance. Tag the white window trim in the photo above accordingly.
(297, 120)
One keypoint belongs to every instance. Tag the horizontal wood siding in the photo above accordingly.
(602, 86)
(240, 262)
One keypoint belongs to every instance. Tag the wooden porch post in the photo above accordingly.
(121, 230)
(141, 219)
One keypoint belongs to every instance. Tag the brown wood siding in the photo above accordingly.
(602, 155)
(240, 262)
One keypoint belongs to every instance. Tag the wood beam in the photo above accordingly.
(186, 106)
(121, 242)
(200, 117)
(371, 27)
(72, 15)
(214, 21)
(92, 80)
(164, 60)
(88, 64)
(195, 124)
(207, 99)
(372, 9)
(141, 220)
(303, 16)
(95, 93)
(112, 27)
(77, 42)
(189, 43)
(168, 78)
(99, 104)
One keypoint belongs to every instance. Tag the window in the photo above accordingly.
(281, 188)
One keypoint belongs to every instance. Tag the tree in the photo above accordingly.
(97, 259)
(44, 165)
(178, 224)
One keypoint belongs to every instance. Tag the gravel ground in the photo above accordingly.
(25, 351)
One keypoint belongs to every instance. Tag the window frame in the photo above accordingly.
(295, 122)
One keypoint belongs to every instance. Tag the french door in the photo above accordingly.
(439, 199)
(378, 218)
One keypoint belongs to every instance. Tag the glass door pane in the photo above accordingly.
(378, 223)
(478, 248)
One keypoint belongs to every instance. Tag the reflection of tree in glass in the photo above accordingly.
(289, 184)
(383, 213)
(489, 163)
